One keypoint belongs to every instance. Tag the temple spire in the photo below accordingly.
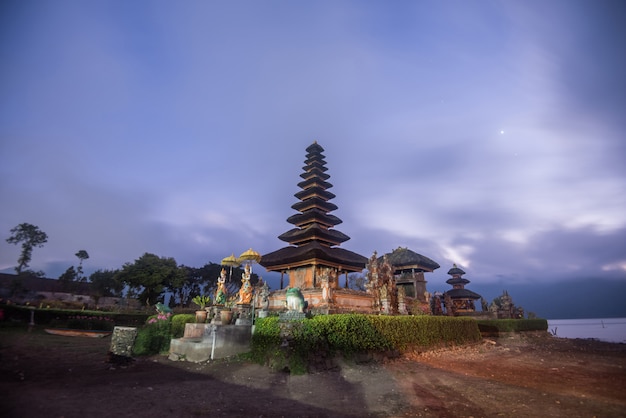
(313, 240)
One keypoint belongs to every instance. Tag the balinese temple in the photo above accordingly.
(313, 261)
(409, 268)
(462, 298)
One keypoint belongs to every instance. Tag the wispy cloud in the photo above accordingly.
(489, 135)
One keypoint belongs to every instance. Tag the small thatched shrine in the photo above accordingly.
(312, 261)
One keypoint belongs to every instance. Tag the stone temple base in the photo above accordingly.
(340, 301)
(203, 342)
(291, 316)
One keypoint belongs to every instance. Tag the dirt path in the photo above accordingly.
(53, 376)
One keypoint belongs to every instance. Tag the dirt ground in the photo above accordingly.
(54, 376)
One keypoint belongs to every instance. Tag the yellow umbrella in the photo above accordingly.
(250, 257)
(231, 262)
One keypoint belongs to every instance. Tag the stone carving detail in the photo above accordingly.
(382, 285)
(372, 286)
(299, 276)
(401, 301)
(264, 296)
(435, 304)
(387, 279)
(450, 309)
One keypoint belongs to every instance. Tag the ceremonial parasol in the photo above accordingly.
(250, 257)
(231, 262)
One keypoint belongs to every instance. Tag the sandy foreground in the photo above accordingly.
(520, 376)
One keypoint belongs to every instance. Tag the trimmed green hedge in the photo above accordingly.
(45, 316)
(288, 344)
(511, 325)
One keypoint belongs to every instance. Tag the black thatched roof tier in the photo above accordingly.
(314, 148)
(455, 270)
(313, 232)
(314, 215)
(405, 259)
(314, 158)
(314, 203)
(313, 253)
(314, 181)
(462, 294)
(316, 172)
(317, 164)
(457, 280)
(315, 191)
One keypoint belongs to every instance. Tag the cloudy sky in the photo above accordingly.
(484, 133)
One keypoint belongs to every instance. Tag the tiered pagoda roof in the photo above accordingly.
(458, 283)
(313, 241)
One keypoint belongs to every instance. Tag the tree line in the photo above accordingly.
(149, 278)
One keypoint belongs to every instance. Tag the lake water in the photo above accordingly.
(603, 329)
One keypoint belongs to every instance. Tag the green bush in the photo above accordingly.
(155, 336)
(178, 324)
(511, 325)
(350, 333)
(290, 344)
(85, 322)
(49, 316)
(266, 340)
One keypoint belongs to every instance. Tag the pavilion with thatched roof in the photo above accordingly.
(409, 268)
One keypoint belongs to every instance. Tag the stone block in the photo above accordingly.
(229, 340)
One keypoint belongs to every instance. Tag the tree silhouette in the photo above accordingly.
(82, 255)
(30, 236)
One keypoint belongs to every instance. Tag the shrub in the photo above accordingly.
(84, 322)
(266, 340)
(155, 336)
(178, 324)
(291, 344)
(88, 322)
(512, 325)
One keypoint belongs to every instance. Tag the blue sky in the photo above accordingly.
(484, 133)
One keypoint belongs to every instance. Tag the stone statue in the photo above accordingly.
(450, 308)
(325, 289)
(436, 308)
(401, 294)
(162, 309)
(372, 275)
(245, 292)
(221, 293)
(388, 280)
(264, 295)
(295, 300)
(401, 301)
(383, 292)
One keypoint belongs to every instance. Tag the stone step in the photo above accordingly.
(197, 343)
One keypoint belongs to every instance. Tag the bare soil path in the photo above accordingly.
(54, 376)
